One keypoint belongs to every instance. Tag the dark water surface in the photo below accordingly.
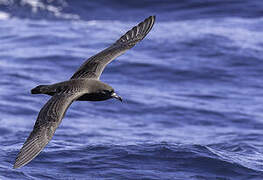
(192, 89)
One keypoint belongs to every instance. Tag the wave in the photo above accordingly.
(103, 9)
(159, 160)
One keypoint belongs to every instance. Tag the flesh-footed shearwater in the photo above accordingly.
(84, 85)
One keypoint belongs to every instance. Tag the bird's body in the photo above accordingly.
(84, 85)
(91, 89)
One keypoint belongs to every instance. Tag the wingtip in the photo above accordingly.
(20, 163)
(137, 33)
(152, 17)
(17, 165)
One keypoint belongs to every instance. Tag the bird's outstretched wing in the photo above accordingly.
(94, 66)
(46, 124)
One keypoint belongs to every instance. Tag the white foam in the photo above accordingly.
(4, 16)
(37, 5)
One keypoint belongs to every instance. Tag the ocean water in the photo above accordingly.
(192, 89)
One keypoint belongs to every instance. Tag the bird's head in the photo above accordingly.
(108, 92)
(100, 91)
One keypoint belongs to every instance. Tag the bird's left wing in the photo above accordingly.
(48, 120)
(95, 65)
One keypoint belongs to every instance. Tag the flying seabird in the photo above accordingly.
(84, 85)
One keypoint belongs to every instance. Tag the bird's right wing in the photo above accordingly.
(95, 65)
(48, 120)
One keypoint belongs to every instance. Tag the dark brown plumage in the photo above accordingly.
(84, 85)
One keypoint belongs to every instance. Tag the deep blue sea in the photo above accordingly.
(192, 89)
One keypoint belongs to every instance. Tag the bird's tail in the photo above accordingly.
(41, 89)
